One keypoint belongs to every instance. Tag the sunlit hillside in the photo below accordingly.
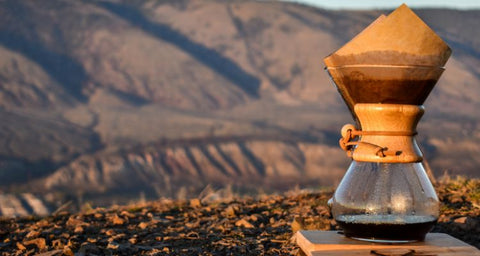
(105, 101)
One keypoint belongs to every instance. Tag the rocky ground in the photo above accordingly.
(245, 226)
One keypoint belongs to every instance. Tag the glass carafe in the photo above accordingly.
(385, 196)
(385, 202)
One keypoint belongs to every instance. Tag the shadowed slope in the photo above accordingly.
(222, 65)
(65, 70)
(25, 36)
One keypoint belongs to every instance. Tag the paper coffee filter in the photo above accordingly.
(334, 60)
(400, 38)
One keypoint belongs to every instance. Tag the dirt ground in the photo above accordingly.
(244, 226)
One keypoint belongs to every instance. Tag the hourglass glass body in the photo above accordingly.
(385, 196)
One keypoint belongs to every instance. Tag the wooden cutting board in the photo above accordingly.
(318, 243)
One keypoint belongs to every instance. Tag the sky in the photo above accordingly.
(391, 4)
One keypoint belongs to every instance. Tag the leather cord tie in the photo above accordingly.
(349, 133)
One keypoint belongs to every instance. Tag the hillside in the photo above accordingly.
(153, 97)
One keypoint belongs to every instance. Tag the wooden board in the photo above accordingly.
(318, 243)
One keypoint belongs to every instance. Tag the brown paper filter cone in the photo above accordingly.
(334, 61)
(401, 38)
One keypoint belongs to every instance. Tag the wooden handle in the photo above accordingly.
(391, 127)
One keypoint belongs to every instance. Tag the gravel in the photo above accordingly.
(242, 226)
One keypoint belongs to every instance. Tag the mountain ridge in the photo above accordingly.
(83, 82)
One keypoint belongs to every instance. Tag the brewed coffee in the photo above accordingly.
(388, 91)
(388, 228)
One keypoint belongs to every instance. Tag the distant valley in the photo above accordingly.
(105, 101)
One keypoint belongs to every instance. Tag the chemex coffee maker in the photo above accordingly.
(384, 75)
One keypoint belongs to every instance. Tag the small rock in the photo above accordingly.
(195, 202)
(110, 232)
(193, 235)
(72, 222)
(115, 220)
(42, 223)
(143, 225)
(192, 224)
(127, 214)
(91, 240)
(38, 242)
(32, 234)
(21, 247)
(57, 244)
(243, 223)
(230, 211)
(112, 245)
(78, 229)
